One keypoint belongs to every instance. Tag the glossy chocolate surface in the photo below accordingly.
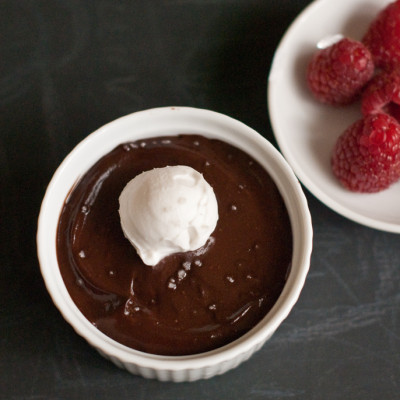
(190, 302)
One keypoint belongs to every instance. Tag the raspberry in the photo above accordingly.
(366, 157)
(336, 74)
(383, 94)
(383, 36)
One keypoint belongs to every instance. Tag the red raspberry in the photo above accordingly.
(336, 74)
(366, 157)
(383, 36)
(383, 94)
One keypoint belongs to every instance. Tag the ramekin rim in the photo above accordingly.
(245, 343)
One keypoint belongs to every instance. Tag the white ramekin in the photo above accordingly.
(160, 122)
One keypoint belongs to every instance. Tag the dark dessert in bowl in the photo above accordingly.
(197, 313)
(189, 302)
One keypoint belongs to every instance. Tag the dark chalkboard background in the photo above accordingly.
(69, 66)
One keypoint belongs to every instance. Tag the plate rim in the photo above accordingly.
(304, 178)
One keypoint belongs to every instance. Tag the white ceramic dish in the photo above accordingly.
(306, 130)
(172, 121)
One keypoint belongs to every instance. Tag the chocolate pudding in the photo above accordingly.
(189, 302)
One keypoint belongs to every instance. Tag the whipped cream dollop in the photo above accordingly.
(167, 210)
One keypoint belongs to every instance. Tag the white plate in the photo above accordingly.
(306, 130)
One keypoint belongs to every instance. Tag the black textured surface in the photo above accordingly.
(68, 67)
